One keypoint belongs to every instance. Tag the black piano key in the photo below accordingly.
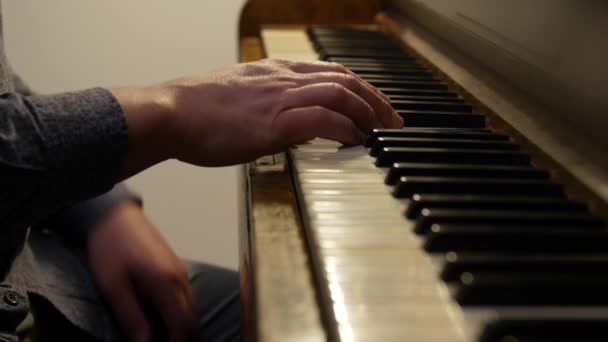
(379, 38)
(413, 118)
(316, 31)
(361, 61)
(434, 133)
(517, 289)
(434, 99)
(378, 54)
(399, 170)
(409, 186)
(332, 43)
(389, 91)
(428, 85)
(457, 263)
(401, 71)
(409, 66)
(356, 48)
(390, 155)
(431, 216)
(383, 142)
(458, 107)
(419, 202)
(403, 78)
(537, 329)
(520, 239)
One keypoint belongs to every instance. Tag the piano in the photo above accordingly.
(483, 219)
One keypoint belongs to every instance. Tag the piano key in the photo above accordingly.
(546, 288)
(358, 42)
(432, 106)
(315, 31)
(327, 53)
(545, 330)
(409, 186)
(405, 68)
(390, 155)
(413, 118)
(391, 91)
(457, 263)
(332, 43)
(394, 77)
(431, 216)
(358, 49)
(434, 133)
(418, 85)
(388, 70)
(349, 38)
(383, 142)
(372, 61)
(434, 99)
(419, 202)
(503, 239)
(399, 170)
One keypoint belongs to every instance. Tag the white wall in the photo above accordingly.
(64, 45)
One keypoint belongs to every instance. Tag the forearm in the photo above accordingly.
(149, 114)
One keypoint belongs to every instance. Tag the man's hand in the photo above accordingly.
(135, 269)
(244, 111)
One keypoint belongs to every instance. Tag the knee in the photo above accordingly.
(216, 291)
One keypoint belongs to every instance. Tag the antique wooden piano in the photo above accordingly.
(484, 219)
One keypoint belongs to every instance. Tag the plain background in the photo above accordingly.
(64, 45)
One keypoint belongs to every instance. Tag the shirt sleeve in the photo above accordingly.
(57, 150)
(21, 86)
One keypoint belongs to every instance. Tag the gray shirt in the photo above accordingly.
(56, 153)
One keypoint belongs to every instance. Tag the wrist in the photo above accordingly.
(149, 112)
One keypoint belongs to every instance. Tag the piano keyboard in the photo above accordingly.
(442, 230)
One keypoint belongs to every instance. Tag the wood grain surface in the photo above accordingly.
(318, 12)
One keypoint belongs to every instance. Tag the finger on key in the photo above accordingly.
(385, 113)
(298, 125)
(335, 97)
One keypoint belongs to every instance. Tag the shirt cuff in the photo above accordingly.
(85, 134)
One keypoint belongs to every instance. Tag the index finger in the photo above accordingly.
(382, 108)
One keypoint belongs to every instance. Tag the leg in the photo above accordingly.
(216, 291)
(51, 325)
(218, 302)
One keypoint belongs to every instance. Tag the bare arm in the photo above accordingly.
(241, 112)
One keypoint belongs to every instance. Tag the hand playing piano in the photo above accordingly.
(238, 113)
